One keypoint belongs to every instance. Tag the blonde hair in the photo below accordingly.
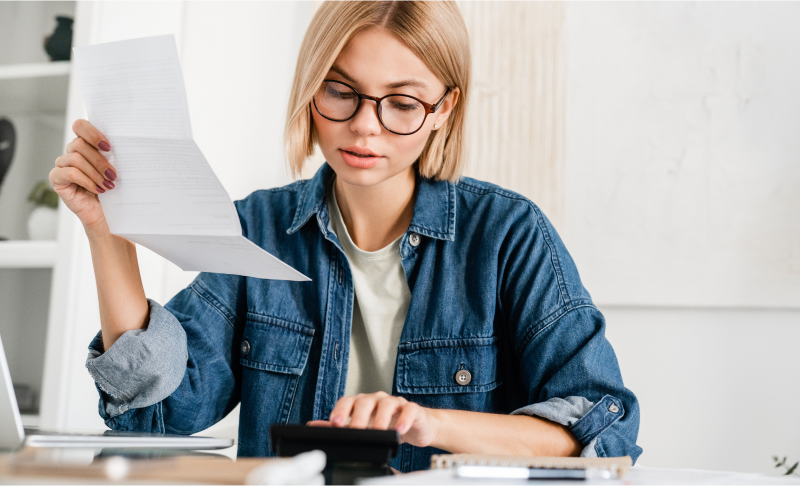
(434, 31)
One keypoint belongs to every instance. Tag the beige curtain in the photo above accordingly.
(516, 114)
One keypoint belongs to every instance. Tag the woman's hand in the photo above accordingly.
(417, 425)
(82, 173)
(456, 431)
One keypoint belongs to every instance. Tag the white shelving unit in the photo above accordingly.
(35, 70)
(27, 254)
(33, 96)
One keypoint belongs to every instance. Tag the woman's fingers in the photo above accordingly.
(386, 410)
(376, 411)
(79, 162)
(62, 177)
(363, 409)
(381, 411)
(94, 157)
(342, 411)
(88, 132)
(408, 414)
(319, 423)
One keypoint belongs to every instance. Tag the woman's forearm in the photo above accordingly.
(474, 432)
(123, 305)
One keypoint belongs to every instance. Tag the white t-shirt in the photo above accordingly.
(379, 309)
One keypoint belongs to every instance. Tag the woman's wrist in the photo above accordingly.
(439, 422)
(97, 232)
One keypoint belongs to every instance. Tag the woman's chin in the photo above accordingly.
(383, 171)
(359, 176)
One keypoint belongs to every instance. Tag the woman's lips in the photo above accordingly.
(358, 161)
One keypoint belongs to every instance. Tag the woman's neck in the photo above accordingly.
(377, 215)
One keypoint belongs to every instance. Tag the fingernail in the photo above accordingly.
(104, 146)
(337, 420)
(100, 189)
(111, 175)
(401, 428)
(108, 184)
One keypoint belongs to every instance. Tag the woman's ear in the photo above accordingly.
(443, 113)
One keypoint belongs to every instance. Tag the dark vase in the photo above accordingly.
(8, 139)
(59, 44)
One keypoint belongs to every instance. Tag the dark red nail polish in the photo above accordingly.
(100, 189)
(108, 184)
(104, 146)
(110, 175)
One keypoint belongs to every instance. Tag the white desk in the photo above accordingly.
(637, 475)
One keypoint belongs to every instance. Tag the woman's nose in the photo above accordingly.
(366, 121)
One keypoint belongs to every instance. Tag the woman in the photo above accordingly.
(445, 308)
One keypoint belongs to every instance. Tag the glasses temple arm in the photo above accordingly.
(439, 103)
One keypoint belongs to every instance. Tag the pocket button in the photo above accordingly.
(414, 239)
(463, 377)
(613, 408)
(245, 347)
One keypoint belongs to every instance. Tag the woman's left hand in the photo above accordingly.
(417, 425)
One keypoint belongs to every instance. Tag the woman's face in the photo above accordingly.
(377, 63)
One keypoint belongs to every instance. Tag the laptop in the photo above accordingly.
(14, 436)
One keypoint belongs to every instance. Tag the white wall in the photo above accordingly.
(718, 388)
(682, 201)
(683, 160)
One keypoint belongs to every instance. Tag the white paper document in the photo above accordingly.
(166, 198)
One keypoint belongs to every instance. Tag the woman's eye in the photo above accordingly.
(346, 95)
(404, 106)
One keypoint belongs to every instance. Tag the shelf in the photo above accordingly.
(27, 254)
(35, 70)
(30, 420)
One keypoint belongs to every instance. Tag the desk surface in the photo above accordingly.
(636, 475)
(28, 469)
(81, 466)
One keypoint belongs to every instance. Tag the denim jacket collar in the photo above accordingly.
(434, 210)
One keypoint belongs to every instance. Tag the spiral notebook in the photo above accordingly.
(617, 467)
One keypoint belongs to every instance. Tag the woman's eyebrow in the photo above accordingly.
(415, 83)
(343, 74)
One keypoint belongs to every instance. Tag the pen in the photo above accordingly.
(506, 472)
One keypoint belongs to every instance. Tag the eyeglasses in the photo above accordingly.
(398, 113)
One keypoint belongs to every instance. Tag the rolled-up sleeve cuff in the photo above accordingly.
(143, 367)
(584, 419)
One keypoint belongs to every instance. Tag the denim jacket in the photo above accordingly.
(493, 293)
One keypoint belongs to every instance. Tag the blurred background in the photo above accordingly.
(660, 138)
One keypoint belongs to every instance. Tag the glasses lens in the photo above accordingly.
(336, 101)
(402, 114)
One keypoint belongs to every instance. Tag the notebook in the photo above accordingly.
(617, 467)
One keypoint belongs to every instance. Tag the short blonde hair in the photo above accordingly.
(434, 31)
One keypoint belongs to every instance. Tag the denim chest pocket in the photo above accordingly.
(276, 345)
(448, 366)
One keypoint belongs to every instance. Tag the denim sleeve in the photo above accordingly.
(565, 411)
(197, 385)
(568, 366)
(158, 354)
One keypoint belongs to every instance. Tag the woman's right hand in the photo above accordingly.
(82, 173)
